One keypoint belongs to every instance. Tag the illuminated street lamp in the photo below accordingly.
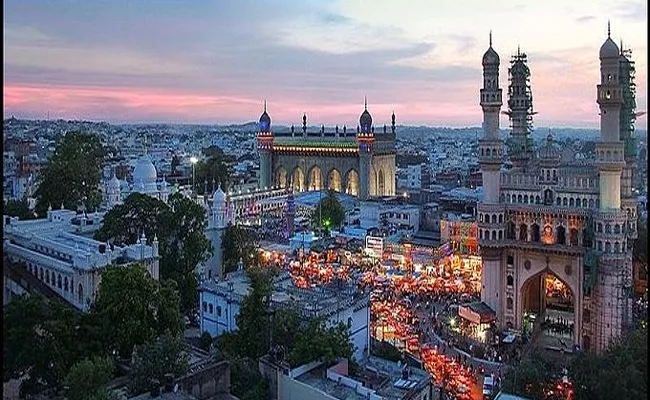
(193, 160)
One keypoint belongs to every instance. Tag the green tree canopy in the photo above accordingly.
(213, 168)
(253, 318)
(179, 226)
(18, 208)
(329, 212)
(154, 362)
(134, 309)
(238, 242)
(89, 377)
(39, 340)
(619, 373)
(72, 175)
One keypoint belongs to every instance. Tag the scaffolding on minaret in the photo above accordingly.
(628, 109)
(520, 110)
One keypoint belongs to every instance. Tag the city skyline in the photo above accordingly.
(167, 62)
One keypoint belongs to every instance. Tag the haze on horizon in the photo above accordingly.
(215, 62)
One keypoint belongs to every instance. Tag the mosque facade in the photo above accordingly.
(552, 218)
(361, 164)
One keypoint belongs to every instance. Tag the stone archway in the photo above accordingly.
(352, 182)
(334, 180)
(315, 178)
(298, 178)
(281, 178)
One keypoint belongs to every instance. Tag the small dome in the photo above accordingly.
(114, 183)
(365, 121)
(491, 57)
(549, 151)
(609, 49)
(265, 121)
(219, 197)
(145, 171)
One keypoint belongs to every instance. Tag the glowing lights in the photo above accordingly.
(452, 322)
(194, 160)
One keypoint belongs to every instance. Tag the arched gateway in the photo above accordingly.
(342, 160)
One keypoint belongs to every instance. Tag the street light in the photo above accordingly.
(193, 160)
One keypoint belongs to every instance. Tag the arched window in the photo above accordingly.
(500, 218)
(617, 247)
(535, 237)
(600, 246)
(608, 228)
(494, 218)
(47, 276)
(584, 203)
(608, 247)
(507, 198)
(558, 201)
(573, 237)
(523, 232)
(510, 231)
(40, 273)
(65, 284)
(571, 202)
(591, 203)
(494, 235)
(538, 200)
(480, 234)
(500, 235)
(561, 235)
(510, 280)
(564, 201)
(525, 199)
(80, 293)
(617, 228)
(599, 228)
(509, 303)
(72, 285)
(520, 199)
(59, 282)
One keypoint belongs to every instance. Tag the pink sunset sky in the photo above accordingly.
(217, 61)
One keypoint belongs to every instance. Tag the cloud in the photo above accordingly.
(635, 11)
(585, 18)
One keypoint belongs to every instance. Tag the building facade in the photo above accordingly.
(552, 215)
(54, 250)
(361, 164)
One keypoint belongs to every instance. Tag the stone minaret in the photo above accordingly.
(216, 228)
(265, 146)
(520, 111)
(612, 293)
(490, 153)
(365, 141)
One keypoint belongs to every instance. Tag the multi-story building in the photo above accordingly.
(552, 223)
(55, 251)
(221, 300)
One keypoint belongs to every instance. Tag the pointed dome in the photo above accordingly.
(219, 197)
(265, 121)
(365, 120)
(491, 57)
(114, 183)
(609, 49)
(549, 151)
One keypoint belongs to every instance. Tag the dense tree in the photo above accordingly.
(211, 169)
(322, 343)
(329, 212)
(18, 208)
(179, 227)
(154, 362)
(72, 175)
(239, 243)
(619, 373)
(39, 341)
(528, 378)
(134, 309)
(89, 378)
(641, 243)
(246, 381)
(253, 317)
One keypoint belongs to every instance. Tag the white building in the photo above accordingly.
(220, 302)
(53, 250)
(397, 217)
(145, 181)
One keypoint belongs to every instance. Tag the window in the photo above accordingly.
(218, 311)
(205, 306)
(509, 302)
(210, 308)
(511, 260)
(510, 280)
(59, 282)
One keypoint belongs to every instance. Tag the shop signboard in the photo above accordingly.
(468, 314)
(375, 246)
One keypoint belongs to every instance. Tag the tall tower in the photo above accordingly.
(216, 228)
(627, 119)
(265, 146)
(612, 293)
(365, 141)
(520, 111)
(490, 152)
(113, 192)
